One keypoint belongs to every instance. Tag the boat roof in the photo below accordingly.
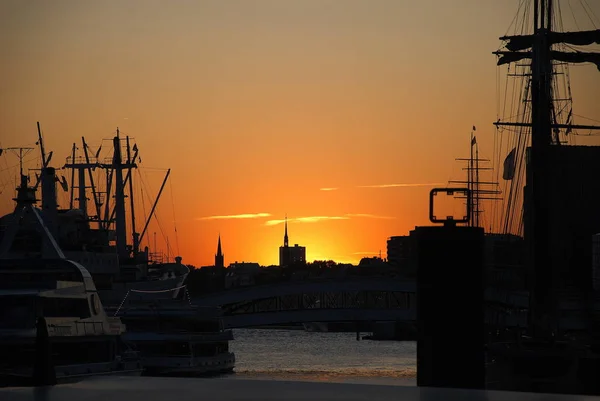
(42, 274)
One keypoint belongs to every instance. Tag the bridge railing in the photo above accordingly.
(325, 300)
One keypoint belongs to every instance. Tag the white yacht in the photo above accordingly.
(177, 339)
(53, 326)
(52, 323)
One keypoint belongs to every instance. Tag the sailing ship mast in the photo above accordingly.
(538, 47)
(120, 224)
(474, 184)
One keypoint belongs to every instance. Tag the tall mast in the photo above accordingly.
(72, 178)
(120, 226)
(474, 184)
(129, 166)
(89, 168)
(476, 189)
(131, 200)
(82, 197)
(41, 142)
(154, 205)
(108, 217)
(542, 300)
(470, 179)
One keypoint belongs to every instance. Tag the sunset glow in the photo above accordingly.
(340, 114)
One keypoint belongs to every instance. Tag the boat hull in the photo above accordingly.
(71, 373)
(189, 366)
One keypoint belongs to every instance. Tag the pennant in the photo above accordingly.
(509, 165)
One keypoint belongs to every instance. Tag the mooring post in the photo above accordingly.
(450, 300)
(450, 307)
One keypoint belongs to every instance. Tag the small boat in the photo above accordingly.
(177, 339)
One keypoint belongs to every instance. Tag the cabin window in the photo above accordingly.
(198, 326)
(165, 348)
(201, 350)
(66, 307)
(17, 312)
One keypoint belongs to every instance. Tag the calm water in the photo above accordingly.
(334, 357)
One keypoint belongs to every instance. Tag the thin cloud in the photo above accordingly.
(315, 219)
(309, 219)
(401, 185)
(328, 189)
(237, 216)
(370, 216)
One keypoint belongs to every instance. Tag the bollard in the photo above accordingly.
(43, 369)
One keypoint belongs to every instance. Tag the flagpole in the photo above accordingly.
(470, 179)
(477, 183)
(474, 202)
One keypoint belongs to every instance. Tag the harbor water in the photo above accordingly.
(324, 357)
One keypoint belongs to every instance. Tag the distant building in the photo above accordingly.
(219, 257)
(398, 250)
(371, 261)
(289, 255)
(241, 274)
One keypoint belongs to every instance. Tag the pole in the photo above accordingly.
(476, 184)
(120, 226)
(89, 169)
(131, 202)
(154, 205)
(470, 186)
(72, 178)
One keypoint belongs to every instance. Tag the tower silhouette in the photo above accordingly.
(285, 237)
(219, 256)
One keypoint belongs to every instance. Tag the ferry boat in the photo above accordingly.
(176, 338)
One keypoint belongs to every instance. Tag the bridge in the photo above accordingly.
(348, 299)
(360, 299)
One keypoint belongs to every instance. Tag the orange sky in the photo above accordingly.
(257, 105)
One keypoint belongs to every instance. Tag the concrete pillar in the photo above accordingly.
(450, 307)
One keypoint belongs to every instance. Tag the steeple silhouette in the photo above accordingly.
(290, 255)
(285, 237)
(219, 255)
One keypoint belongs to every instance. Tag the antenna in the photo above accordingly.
(20, 153)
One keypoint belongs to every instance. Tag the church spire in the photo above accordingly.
(219, 255)
(285, 237)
